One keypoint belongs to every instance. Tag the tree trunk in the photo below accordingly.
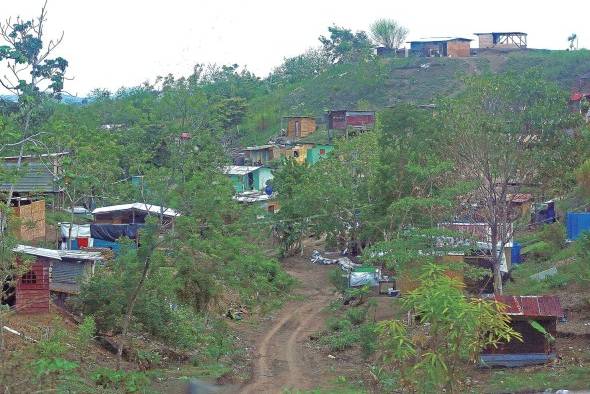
(129, 311)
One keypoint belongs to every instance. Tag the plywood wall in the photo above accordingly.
(32, 221)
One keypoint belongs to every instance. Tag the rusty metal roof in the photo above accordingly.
(530, 306)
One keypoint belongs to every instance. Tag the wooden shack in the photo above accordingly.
(342, 119)
(441, 47)
(261, 154)
(300, 126)
(502, 40)
(32, 287)
(535, 347)
(30, 214)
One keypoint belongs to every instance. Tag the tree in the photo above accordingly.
(499, 130)
(455, 330)
(573, 40)
(388, 33)
(344, 46)
(33, 76)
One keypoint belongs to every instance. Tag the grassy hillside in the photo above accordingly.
(383, 82)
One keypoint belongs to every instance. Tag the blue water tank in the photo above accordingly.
(516, 259)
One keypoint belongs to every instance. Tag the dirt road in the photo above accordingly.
(281, 359)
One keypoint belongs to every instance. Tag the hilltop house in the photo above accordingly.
(441, 47)
(536, 347)
(502, 40)
(342, 119)
(246, 178)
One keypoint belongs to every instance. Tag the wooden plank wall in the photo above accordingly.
(32, 221)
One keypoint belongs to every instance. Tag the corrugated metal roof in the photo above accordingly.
(155, 209)
(440, 39)
(530, 306)
(45, 155)
(252, 196)
(258, 147)
(239, 170)
(35, 177)
(80, 255)
(502, 32)
(33, 251)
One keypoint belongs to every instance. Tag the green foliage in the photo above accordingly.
(48, 366)
(131, 382)
(388, 33)
(457, 330)
(345, 46)
(86, 332)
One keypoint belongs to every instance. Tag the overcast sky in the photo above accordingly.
(114, 43)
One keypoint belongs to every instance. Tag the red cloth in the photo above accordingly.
(83, 242)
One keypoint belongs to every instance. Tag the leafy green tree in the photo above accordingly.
(500, 129)
(33, 76)
(388, 33)
(344, 46)
(455, 329)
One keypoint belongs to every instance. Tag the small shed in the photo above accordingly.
(246, 178)
(441, 47)
(31, 215)
(132, 213)
(300, 126)
(502, 40)
(536, 347)
(32, 287)
(295, 152)
(72, 269)
(343, 118)
(261, 199)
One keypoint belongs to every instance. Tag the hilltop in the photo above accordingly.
(381, 82)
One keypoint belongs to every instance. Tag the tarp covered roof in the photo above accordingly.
(530, 306)
(139, 206)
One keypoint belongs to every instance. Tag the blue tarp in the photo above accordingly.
(516, 253)
(577, 223)
(114, 246)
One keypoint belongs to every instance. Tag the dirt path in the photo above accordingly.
(281, 359)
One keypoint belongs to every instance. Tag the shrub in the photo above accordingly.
(356, 315)
(336, 324)
(86, 332)
(341, 340)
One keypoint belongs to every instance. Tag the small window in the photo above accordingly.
(295, 153)
(322, 151)
(29, 278)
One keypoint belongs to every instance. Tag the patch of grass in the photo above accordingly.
(571, 377)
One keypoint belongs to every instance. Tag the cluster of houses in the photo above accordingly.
(461, 46)
(302, 141)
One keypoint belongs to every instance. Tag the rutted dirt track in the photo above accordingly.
(281, 359)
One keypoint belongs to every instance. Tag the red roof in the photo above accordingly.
(531, 306)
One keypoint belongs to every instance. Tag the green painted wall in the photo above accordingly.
(313, 154)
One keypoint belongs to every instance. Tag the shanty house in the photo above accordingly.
(37, 174)
(246, 178)
(264, 200)
(296, 152)
(71, 270)
(300, 126)
(342, 119)
(261, 154)
(441, 47)
(32, 287)
(502, 40)
(536, 347)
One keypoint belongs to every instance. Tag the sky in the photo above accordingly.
(115, 43)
